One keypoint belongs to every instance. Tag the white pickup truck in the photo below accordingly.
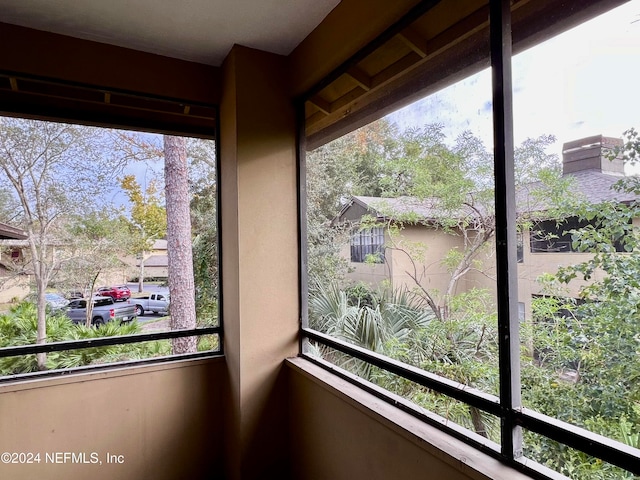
(155, 302)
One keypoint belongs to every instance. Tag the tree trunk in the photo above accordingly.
(39, 272)
(141, 273)
(41, 336)
(181, 283)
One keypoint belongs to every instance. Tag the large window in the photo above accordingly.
(88, 220)
(546, 385)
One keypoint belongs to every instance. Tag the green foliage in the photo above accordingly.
(205, 251)
(148, 216)
(579, 356)
(18, 327)
(398, 324)
(584, 365)
(360, 294)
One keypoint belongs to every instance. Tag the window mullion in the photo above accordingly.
(506, 242)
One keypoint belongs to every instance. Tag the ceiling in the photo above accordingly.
(201, 31)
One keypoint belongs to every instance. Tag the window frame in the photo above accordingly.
(376, 237)
(60, 346)
(558, 232)
(507, 406)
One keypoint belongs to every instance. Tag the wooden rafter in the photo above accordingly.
(396, 68)
(420, 50)
(414, 41)
(321, 104)
(361, 78)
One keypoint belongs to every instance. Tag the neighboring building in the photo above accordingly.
(12, 284)
(156, 262)
(416, 254)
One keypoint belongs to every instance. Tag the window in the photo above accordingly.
(367, 245)
(532, 397)
(520, 247)
(551, 236)
(85, 203)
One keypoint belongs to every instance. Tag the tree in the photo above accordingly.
(204, 226)
(456, 179)
(52, 169)
(202, 188)
(181, 283)
(584, 367)
(96, 244)
(148, 218)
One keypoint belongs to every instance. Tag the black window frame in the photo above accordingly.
(507, 405)
(62, 346)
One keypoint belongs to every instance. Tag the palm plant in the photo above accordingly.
(391, 321)
(19, 327)
(398, 323)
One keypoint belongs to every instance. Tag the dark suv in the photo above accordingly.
(118, 293)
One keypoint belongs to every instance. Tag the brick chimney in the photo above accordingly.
(592, 153)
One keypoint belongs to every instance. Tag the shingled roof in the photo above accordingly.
(7, 232)
(586, 164)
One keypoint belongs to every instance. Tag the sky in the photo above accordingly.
(583, 82)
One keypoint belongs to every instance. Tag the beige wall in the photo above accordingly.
(166, 422)
(13, 288)
(373, 274)
(429, 247)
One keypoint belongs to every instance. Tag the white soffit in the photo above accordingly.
(201, 31)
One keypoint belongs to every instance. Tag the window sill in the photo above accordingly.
(467, 460)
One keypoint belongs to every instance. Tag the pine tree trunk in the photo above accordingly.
(181, 284)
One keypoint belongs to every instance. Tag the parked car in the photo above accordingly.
(118, 292)
(73, 294)
(155, 302)
(54, 301)
(105, 310)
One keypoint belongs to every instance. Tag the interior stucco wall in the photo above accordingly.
(154, 422)
(259, 258)
(340, 432)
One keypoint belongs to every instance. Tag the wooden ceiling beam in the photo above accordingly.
(414, 40)
(321, 104)
(397, 68)
(360, 77)
(348, 98)
(421, 50)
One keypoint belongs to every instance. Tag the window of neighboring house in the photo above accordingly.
(97, 242)
(551, 236)
(520, 247)
(367, 245)
(526, 390)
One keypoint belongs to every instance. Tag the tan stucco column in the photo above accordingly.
(259, 259)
